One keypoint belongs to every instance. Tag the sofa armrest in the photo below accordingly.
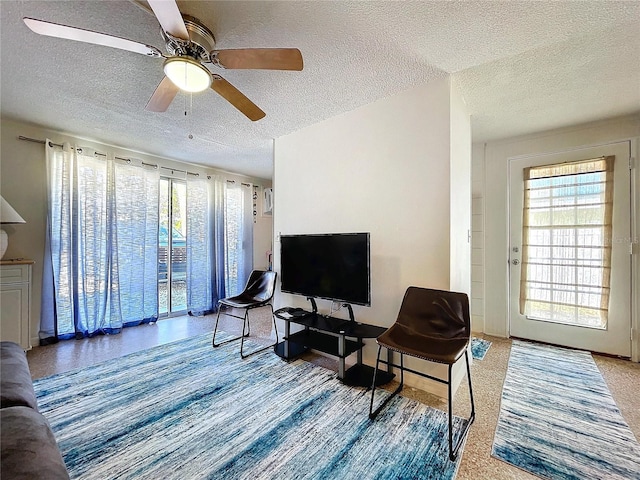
(16, 387)
(29, 448)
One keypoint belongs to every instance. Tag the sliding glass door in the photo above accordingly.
(172, 247)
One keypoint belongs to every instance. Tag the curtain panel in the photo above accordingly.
(238, 238)
(200, 274)
(135, 260)
(101, 235)
(101, 253)
(209, 215)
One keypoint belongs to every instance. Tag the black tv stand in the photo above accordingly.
(335, 336)
(351, 317)
(313, 304)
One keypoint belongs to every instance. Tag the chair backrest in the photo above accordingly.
(261, 285)
(438, 313)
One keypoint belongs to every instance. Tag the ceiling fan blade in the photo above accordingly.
(170, 18)
(88, 36)
(259, 58)
(162, 97)
(236, 98)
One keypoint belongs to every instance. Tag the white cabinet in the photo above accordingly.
(15, 301)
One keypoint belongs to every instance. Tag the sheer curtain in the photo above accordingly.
(219, 241)
(200, 272)
(217, 192)
(135, 260)
(101, 252)
(100, 222)
(238, 236)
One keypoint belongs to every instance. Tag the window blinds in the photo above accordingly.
(566, 251)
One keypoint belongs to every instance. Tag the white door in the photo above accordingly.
(565, 271)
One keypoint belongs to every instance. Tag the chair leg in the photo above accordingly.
(215, 329)
(453, 451)
(246, 322)
(373, 383)
(473, 406)
(373, 414)
(245, 325)
(452, 456)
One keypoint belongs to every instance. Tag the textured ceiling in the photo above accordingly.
(522, 67)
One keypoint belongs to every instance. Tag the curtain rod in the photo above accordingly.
(51, 144)
(242, 183)
(181, 171)
(128, 160)
(42, 142)
(144, 164)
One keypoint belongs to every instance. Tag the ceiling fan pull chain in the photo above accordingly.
(189, 123)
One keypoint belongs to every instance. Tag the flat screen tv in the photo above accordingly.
(333, 266)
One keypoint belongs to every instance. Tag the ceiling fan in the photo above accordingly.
(190, 45)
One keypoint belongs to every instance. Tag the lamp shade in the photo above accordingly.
(8, 214)
(187, 74)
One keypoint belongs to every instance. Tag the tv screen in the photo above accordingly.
(332, 266)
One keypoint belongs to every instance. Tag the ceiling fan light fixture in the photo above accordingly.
(187, 74)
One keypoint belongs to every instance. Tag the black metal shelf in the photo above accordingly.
(324, 342)
(338, 337)
(295, 350)
(324, 323)
(361, 375)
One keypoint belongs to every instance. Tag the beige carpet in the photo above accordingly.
(622, 377)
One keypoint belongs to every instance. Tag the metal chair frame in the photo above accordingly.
(453, 450)
(245, 326)
(223, 305)
(418, 308)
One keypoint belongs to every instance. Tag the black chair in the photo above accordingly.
(257, 293)
(432, 325)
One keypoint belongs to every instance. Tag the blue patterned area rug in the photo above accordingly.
(479, 347)
(188, 411)
(559, 421)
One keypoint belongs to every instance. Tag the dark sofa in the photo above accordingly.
(28, 447)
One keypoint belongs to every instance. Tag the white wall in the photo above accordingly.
(477, 238)
(495, 159)
(460, 192)
(23, 185)
(262, 231)
(384, 168)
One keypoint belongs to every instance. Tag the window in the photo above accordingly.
(567, 242)
(172, 252)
